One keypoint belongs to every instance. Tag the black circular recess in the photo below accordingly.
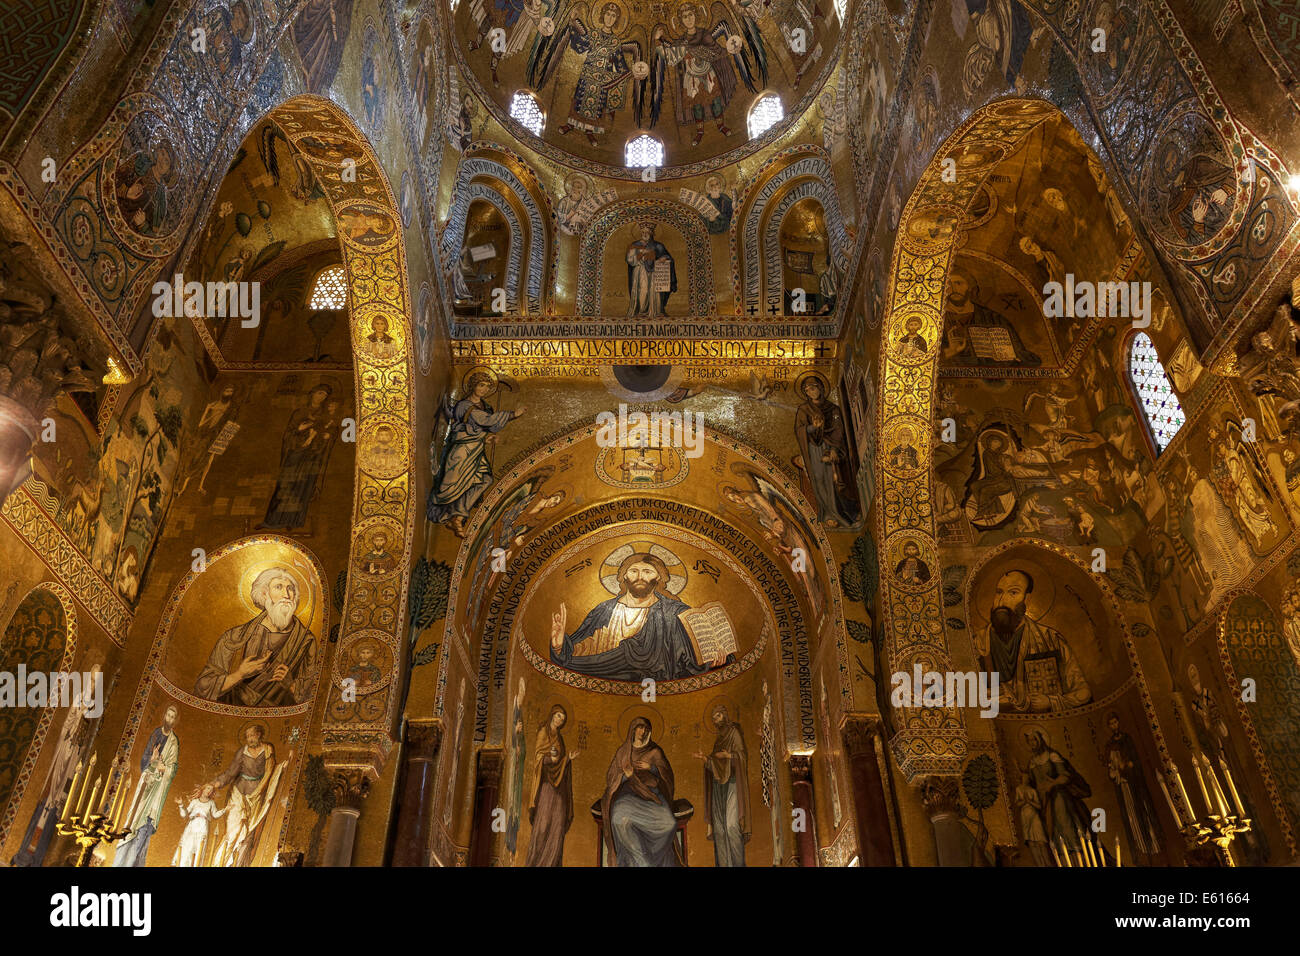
(642, 378)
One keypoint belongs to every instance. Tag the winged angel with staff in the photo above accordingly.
(705, 62)
(608, 55)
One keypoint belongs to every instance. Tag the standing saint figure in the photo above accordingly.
(651, 274)
(304, 453)
(198, 814)
(1029, 805)
(1124, 767)
(162, 754)
(823, 444)
(515, 781)
(1062, 791)
(705, 79)
(726, 791)
(464, 471)
(269, 661)
(253, 777)
(637, 806)
(551, 814)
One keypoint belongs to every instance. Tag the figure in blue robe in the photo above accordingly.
(633, 636)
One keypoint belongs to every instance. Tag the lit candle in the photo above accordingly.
(1097, 850)
(85, 784)
(118, 800)
(72, 792)
(1200, 780)
(1084, 850)
(1236, 797)
(1219, 798)
(94, 792)
(1117, 853)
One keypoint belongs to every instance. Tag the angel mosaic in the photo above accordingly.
(608, 54)
(464, 466)
(701, 57)
(522, 23)
(705, 61)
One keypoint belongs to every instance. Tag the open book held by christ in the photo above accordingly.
(710, 631)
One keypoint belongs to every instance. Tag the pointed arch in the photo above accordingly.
(591, 254)
(374, 255)
(913, 614)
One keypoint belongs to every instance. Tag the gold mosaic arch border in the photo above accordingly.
(929, 740)
(359, 735)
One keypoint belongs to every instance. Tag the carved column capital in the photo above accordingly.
(366, 750)
(860, 732)
(351, 786)
(921, 751)
(423, 738)
(491, 760)
(801, 767)
(940, 794)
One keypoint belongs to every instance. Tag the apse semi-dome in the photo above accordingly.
(604, 72)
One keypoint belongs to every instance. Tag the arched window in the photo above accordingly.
(1164, 413)
(525, 108)
(644, 151)
(330, 290)
(764, 114)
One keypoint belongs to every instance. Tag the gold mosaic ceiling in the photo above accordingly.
(604, 72)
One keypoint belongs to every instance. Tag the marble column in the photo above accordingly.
(487, 788)
(801, 786)
(350, 788)
(415, 808)
(862, 744)
(953, 842)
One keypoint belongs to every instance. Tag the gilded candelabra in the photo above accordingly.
(89, 822)
(1220, 825)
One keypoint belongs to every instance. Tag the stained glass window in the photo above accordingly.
(1163, 410)
(765, 114)
(330, 291)
(644, 151)
(524, 108)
